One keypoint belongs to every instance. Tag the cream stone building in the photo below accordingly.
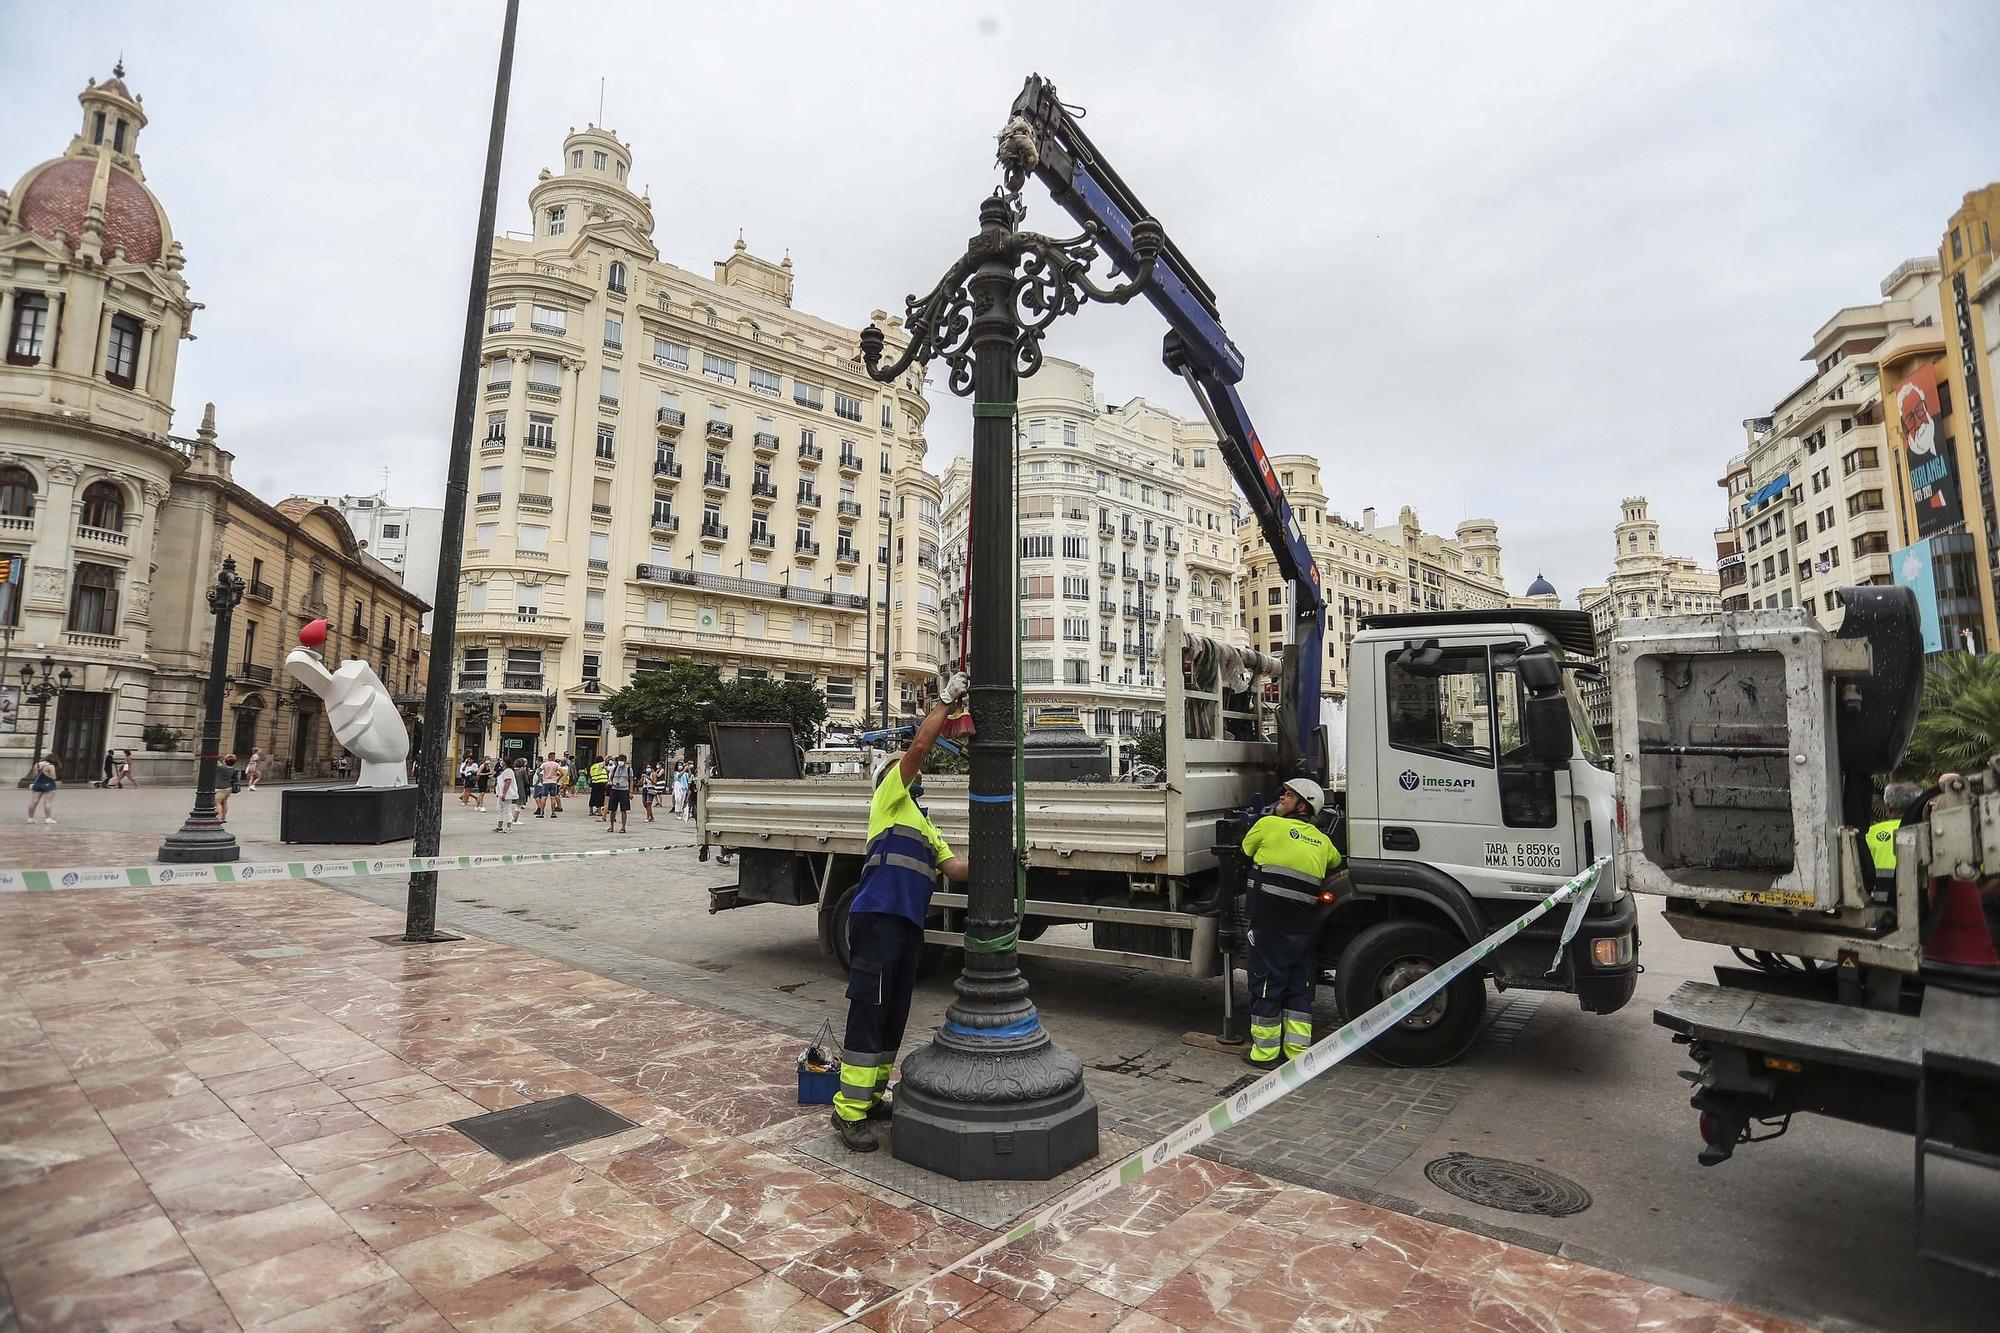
(1644, 581)
(1127, 518)
(673, 466)
(1813, 504)
(111, 529)
(1364, 567)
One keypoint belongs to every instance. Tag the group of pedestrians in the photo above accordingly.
(609, 786)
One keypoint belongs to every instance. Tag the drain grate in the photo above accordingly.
(521, 1132)
(1513, 1187)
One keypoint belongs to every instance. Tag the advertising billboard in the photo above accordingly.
(1912, 569)
(1933, 472)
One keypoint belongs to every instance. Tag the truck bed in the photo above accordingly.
(1883, 1043)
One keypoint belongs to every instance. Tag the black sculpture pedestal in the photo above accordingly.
(347, 814)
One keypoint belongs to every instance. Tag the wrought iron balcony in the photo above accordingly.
(1152, 579)
(1107, 529)
(849, 461)
(487, 498)
(1152, 543)
(714, 479)
(808, 498)
(721, 430)
(521, 680)
(528, 501)
(255, 673)
(670, 420)
(809, 549)
(1106, 568)
(714, 532)
(1108, 608)
(762, 541)
(261, 591)
(846, 554)
(599, 509)
(597, 565)
(763, 490)
(810, 454)
(764, 442)
(850, 509)
(665, 466)
(666, 523)
(1128, 534)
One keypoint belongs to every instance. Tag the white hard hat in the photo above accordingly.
(886, 762)
(1308, 791)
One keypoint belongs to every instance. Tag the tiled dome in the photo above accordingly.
(58, 194)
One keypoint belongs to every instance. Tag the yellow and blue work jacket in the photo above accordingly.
(904, 852)
(1292, 858)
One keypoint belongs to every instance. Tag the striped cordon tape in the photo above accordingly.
(244, 872)
(1288, 1078)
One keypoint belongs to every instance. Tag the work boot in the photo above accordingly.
(855, 1135)
(882, 1109)
(1262, 1066)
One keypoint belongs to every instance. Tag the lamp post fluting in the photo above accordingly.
(202, 836)
(38, 690)
(993, 1097)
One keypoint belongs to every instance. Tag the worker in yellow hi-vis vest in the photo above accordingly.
(1898, 797)
(1291, 860)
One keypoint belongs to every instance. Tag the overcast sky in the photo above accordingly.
(1518, 261)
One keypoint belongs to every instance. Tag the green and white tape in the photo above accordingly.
(246, 872)
(1281, 1082)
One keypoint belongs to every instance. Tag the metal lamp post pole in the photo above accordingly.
(420, 914)
(202, 836)
(992, 1097)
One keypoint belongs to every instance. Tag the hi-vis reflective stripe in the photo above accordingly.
(245, 872)
(1281, 1082)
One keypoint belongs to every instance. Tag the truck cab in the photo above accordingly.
(1475, 787)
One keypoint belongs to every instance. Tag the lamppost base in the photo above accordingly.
(1016, 1114)
(199, 843)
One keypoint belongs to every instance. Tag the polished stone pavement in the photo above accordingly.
(227, 1106)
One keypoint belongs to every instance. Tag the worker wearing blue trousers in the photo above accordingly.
(1290, 860)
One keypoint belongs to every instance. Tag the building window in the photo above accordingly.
(391, 531)
(541, 431)
(576, 159)
(607, 440)
(614, 333)
(93, 600)
(548, 319)
(764, 382)
(808, 395)
(888, 421)
(598, 161)
(718, 367)
(847, 406)
(615, 279)
(607, 386)
(121, 351)
(31, 323)
(500, 319)
(668, 353)
(556, 221)
(103, 506)
(17, 493)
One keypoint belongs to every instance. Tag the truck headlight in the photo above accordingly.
(1611, 951)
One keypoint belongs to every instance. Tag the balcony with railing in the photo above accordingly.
(256, 673)
(493, 442)
(540, 623)
(528, 500)
(849, 510)
(721, 431)
(668, 523)
(1173, 584)
(521, 680)
(808, 499)
(17, 522)
(260, 591)
(599, 509)
(1173, 544)
(101, 536)
(762, 541)
(714, 532)
(598, 565)
(665, 468)
(715, 479)
(1106, 568)
(763, 442)
(810, 454)
(850, 462)
(1106, 646)
(687, 578)
(1128, 535)
(540, 445)
(1152, 542)
(545, 389)
(669, 420)
(1108, 608)
(847, 553)
(805, 548)
(1129, 572)
(1152, 579)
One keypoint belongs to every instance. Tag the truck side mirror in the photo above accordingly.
(1424, 659)
(1539, 671)
(1546, 725)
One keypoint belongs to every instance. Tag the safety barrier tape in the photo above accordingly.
(1288, 1078)
(241, 872)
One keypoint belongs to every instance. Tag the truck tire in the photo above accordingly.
(928, 961)
(1390, 955)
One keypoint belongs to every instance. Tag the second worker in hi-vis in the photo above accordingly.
(1291, 859)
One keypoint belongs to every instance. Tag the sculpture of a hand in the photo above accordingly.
(363, 717)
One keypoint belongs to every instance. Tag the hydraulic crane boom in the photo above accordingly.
(1198, 349)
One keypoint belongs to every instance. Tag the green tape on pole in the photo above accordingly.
(993, 409)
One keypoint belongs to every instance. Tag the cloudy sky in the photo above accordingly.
(1516, 262)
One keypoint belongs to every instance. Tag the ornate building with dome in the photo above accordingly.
(112, 528)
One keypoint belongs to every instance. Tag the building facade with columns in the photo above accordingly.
(1127, 519)
(1365, 567)
(111, 528)
(1644, 581)
(673, 466)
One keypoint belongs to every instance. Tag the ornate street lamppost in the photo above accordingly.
(39, 691)
(202, 836)
(993, 1097)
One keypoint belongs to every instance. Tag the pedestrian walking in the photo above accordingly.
(110, 769)
(600, 785)
(253, 771)
(125, 777)
(546, 796)
(618, 795)
(683, 784)
(483, 784)
(1288, 905)
(649, 790)
(42, 785)
(523, 783)
(228, 781)
(885, 927)
(504, 789)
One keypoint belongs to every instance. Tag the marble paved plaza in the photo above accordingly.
(227, 1106)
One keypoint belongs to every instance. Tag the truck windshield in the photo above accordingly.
(1586, 735)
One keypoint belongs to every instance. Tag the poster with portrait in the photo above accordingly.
(1933, 471)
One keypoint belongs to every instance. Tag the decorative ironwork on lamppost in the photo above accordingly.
(38, 690)
(993, 1097)
(202, 836)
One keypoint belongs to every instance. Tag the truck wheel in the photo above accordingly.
(929, 959)
(1390, 955)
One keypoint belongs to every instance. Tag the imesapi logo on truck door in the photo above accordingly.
(1411, 780)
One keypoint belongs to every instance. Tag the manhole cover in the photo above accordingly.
(1512, 1186)
(521, 1132)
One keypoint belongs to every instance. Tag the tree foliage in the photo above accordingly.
(677, 704)
(1958, 725)
(1151, 748)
